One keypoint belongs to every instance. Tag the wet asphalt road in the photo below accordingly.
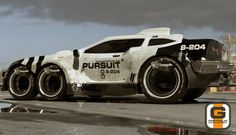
(131, 115)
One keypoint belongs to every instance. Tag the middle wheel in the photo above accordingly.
(163, 80)
(52, 83)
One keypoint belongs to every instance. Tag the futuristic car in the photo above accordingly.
(165, 67)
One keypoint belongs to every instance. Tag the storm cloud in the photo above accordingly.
(217, 14)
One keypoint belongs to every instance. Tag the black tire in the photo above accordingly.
(21, 83)
(192, 94)
(163, 80)
(51, 83)
(95, 96)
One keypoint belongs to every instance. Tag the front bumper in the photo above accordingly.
(212, 67)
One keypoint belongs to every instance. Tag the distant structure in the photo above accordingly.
(1, 78)
(230, 41)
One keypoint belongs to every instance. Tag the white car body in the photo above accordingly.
(119, 67)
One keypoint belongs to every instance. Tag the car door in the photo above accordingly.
(108, 62)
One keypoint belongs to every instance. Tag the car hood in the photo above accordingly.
(65, 53)
(62, 53)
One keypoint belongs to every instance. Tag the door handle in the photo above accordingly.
(116, 55)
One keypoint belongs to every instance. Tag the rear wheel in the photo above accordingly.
(163, 80)
(52, 83)
(191, 94)
(21, 83)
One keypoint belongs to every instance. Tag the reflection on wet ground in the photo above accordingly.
(108, 99)
(24, 113)
(14, 108)
(144, 100)
(170, 130)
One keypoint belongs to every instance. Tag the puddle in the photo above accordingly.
(169, 130)
(14, 108)
(89, 119)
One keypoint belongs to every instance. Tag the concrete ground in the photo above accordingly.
(111, 115)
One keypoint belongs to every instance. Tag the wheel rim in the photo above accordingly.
(163, 79)
(50, 82)
(20, 82)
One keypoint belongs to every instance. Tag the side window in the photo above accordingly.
(115, 46)
(159, 41)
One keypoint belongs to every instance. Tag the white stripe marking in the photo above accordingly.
(33, 67)
(24, 62)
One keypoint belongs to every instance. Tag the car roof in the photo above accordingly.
(163, 32)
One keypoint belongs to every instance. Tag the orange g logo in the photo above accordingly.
(218, 116)
(218, 112)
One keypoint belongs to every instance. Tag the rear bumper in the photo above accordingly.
(212, 67)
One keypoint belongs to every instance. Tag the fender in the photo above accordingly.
(5, 74)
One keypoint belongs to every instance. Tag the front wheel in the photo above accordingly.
(52, 83)
(21, 83)
(163, 80)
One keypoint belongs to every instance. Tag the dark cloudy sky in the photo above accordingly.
(36, 27)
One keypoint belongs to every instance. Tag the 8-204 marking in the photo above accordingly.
(193, 47)
(104, 72)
